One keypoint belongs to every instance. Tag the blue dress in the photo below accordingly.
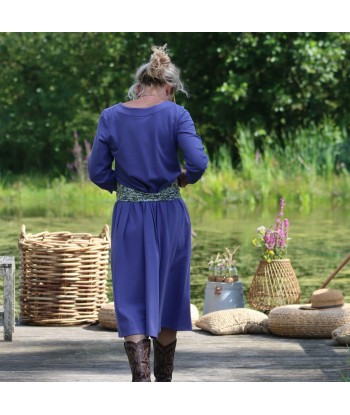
(150, 240)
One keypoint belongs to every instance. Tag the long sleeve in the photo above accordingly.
(191, 145)
(101, 159)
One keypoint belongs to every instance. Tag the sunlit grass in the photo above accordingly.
(221, 185)
(306, 170)
(32, 198)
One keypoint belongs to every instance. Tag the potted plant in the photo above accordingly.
(274, 282)
(223, 266)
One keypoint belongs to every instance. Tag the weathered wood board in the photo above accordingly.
(95, 354)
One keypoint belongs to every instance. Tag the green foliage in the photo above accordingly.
(52, 85)
(316, 149)
(40, 197)
(303, 172)
(275, 84)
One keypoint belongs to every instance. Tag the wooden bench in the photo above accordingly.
(7, 316)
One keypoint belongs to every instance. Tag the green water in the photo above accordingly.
(320, 242)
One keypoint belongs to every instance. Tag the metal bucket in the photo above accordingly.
(223, 296)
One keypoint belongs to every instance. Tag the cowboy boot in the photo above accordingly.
(139, 359)
(163, 361)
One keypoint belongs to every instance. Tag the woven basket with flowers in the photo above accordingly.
(274, 282)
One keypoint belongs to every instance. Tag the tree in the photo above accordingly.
(55, 84)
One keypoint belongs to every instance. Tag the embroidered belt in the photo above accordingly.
(126, 194)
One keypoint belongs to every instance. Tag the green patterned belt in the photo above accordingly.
(126, 194)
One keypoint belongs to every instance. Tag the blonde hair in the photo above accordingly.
(157, 72)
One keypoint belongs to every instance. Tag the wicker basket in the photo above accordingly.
(63, 277)
(274, 284)
(107, 317)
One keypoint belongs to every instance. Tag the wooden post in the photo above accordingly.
(7, 266)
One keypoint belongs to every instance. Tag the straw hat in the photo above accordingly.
(325, 298)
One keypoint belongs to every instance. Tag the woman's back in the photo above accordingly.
(145, 143)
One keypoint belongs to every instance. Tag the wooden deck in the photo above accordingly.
(94, 354)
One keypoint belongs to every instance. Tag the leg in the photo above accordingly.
(166, 336)
(138, 350)
(164, 353)
(135, 338)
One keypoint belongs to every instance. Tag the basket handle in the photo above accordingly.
(105, 233)
(23, 234)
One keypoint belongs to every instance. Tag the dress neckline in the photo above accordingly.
(144, 110)
(141, 108)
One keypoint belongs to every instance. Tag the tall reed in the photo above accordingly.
(307, 169)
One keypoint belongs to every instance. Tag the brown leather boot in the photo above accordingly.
(139, 359)
(163, 361)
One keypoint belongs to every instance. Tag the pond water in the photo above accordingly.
(320, 242)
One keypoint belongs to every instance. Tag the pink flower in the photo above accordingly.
(281, 239)
(269, 239)
(272, 243)
(282, 204)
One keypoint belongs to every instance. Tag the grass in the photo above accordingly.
(221, 185)
(33, 197)
(308, 169)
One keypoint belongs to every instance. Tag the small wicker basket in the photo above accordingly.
(63, 277)
(107, 317)
(274, 284)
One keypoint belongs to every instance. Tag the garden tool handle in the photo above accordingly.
(336, 271)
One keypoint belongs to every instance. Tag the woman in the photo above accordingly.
(151, 229)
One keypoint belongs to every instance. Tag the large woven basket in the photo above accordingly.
(274, 284)
(63, 277)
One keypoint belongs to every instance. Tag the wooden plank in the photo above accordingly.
(7, 265)
(94, 354)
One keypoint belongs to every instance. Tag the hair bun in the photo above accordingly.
(158, 62)
(158, 71)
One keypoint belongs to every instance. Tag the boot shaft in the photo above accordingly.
(139, 359)
(164, 361)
